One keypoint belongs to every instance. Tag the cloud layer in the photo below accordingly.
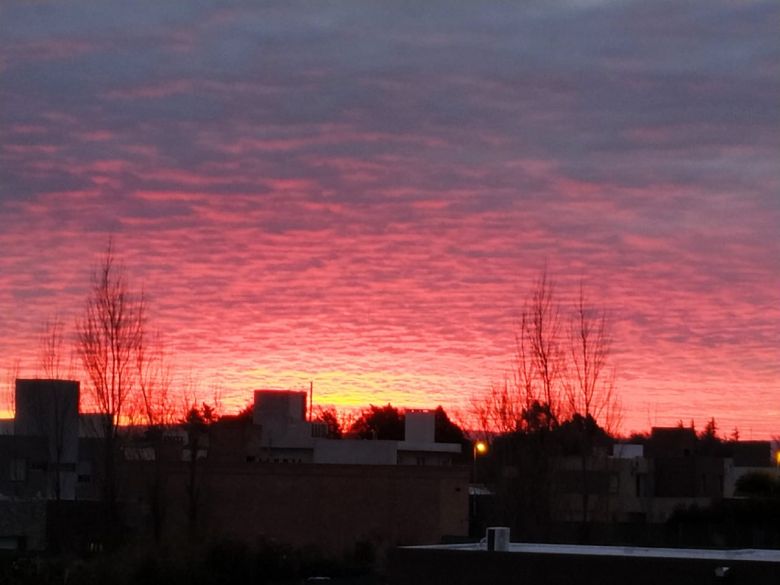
(362, 193)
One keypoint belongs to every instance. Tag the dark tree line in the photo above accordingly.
(388, 422)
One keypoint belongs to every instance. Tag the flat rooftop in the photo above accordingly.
(745, 554)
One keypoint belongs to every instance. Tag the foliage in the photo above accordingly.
(710, 432)
(198, 418)
(446, 431)
(638, 438)
(247, 413)
(388, 423)
(330, 417)
(758, 484)
(581, 431)
(538, 417)
(379, 422)
(708, 441)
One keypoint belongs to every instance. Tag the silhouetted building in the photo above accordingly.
(278, 477)
(647, 483)
(280, 433)
(47, 462)
(40, 457)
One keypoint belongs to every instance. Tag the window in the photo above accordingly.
(640, 485)
(84, 472)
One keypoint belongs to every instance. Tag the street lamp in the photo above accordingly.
(480, 448)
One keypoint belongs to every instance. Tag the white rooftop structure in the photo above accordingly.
(287, 436)
(745, 554)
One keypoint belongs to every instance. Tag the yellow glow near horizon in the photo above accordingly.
(353, 387)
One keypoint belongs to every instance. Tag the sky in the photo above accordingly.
(362, 194)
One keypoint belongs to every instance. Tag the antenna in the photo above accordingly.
(311, 399)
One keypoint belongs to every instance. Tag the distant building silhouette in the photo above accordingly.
(48, 460)
(647, 483)
(280, 433)
(276, 475)
(49, 410)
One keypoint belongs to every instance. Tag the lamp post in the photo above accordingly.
(480, 448)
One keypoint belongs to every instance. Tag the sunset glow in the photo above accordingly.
(361, 195)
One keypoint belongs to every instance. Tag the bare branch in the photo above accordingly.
(109, 337)
(11, 374)
(542, 335)
(51, 348)
(590, 387)
(154, 376)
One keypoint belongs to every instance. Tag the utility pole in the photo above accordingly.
(311, 399)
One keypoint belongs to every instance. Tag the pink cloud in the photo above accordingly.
(301, 203)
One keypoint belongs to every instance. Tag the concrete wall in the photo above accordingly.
(282, 418)
(426, 453)
(357, 452)
(331, 507)
(279, 405)
(419, 426)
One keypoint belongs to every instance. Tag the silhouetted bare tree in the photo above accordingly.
(51, 349)
(557, 379)
(110, 334)
(153, 401)
(542, 333)
(590, 384)
(534, 398)
(499, 410)
(9, 386)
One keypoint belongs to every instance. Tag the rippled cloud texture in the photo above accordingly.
(362, 193)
